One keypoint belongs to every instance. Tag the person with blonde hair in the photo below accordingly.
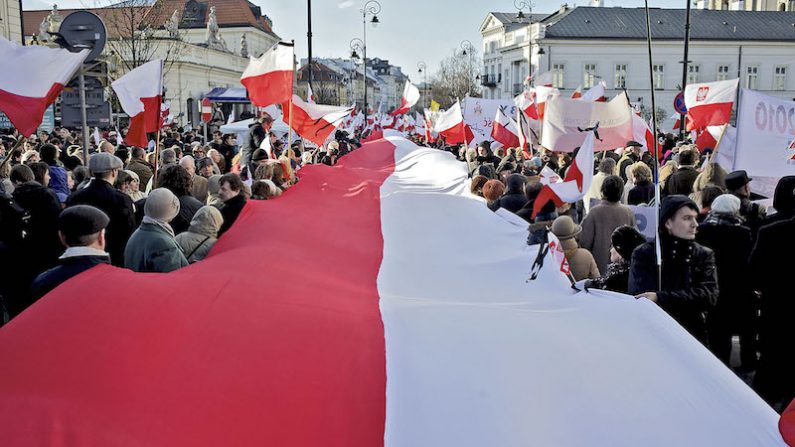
(31, 156)
(666, 170)
(643, 190)
(712, 174)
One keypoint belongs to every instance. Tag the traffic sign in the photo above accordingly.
(679, 103)
(207, 110)
(84, 30)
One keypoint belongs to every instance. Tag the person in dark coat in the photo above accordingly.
(739, 184)
(228, 149)
(681, 181)
(735, 311)
(769, 273)
(231, 194)
(101, 194)
(689, 286)
(140, 166)
(178, 180)
(624, 240)
(257, 133)
(81, 228)
(643, 190)
(514, 198)
(783, 201)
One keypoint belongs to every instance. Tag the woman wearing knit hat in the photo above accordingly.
(624, 240)
(153, 248)
(735, 312)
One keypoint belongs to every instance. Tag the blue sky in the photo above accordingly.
(410, 30)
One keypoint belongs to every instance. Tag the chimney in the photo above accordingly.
(563, 8)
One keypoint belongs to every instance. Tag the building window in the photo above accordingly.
(692, 74)
(780, 78)
(723, 73)
(589, 75)
(557, 75)
(659, 76)
(621, 76)
(751, 76)
(505, 82)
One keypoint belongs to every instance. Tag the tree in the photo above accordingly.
(455, 77)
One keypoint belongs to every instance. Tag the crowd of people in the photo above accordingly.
(161, 210)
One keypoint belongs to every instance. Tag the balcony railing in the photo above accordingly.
(490, 80)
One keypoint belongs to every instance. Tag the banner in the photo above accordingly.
(479, 114)
(765, 133)
(565, 118)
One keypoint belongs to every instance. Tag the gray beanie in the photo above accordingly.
(726, 204)
(162, 205)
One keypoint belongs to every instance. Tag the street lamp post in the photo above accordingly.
(371, 7)
(423, 68)
(356, 46)
(466, 47)
(521, 5)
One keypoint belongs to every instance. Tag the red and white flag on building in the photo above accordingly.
(140, 95)
(411, 95)
(32, 79)
(577, 181)
(269, 78)
(565, 119)
(450, 125)
(314, 122)
(504, 130)
(166, 116)
(709, 103)
(596, 93)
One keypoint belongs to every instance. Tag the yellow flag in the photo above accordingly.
(434, 106)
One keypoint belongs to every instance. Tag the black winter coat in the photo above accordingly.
(512, 201)
(42, 244)
(640, 193)
(681, 181)
(119, 208)
(66, 269)
(230, 211)
(689, 278)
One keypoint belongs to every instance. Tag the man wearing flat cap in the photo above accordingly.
(118, 206)
(738, 184)
(257, 134)
(81, 229)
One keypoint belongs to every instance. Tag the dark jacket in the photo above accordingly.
(59, 182)
(783, 201)
(188, 205)
(769, 273)
(513, 200)
(153, 249)
(144, 170)
(230, 211)
(641, 193)
(66, 269)
(119, 208)
(681, 181)
(42, 244)
(689, 278)
(256, 135)
(616, 278)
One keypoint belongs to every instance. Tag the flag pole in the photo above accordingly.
(11, 151)
(290, 124)
(658, 249)
(159, 129)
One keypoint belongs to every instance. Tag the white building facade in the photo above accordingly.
(584, 45)
(11, 20)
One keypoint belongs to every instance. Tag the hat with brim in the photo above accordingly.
(736, 180)
(633, 143)
(564, 228)
(104, 162)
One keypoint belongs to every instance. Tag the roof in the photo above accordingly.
(193, 14)
(630, 23)
(510, 22)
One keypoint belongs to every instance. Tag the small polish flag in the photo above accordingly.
(709, 103)
(411, 95)
(450, 125)
(314, 122)
(32, 79)
(542, 95)
(139, 93)
(577, 181)
(310, 95)
(504, 129)
(269, 78)
(525, 102)
(577, 93)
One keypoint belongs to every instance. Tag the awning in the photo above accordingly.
(231, 94)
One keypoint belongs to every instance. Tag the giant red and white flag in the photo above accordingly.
(504, 130)
(314, 122)
(140, 94)
(709, 103)
(577, 181)
(269, 78)
(450, 125)
(411, 95)
(32, 79)
(565, 119)
(391, 341)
